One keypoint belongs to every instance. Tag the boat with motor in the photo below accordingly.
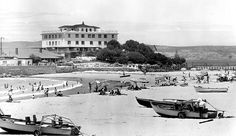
(185, 109)
(49, 125)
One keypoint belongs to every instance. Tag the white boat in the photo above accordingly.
(49, 125)
(201, 89)
(183, 109)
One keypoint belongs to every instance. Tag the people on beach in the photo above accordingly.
(201, 106)
(46, 92)
(90, 87)
(10, 99)
(55, 90)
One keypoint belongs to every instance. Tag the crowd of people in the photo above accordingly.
(36, 87)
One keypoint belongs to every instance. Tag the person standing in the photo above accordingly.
(55, 90)
(10, 95)
(202, 106)
(90, 87)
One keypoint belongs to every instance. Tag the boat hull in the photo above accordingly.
(15, 128)
(210, 90)
(169, 110)
(144, 102)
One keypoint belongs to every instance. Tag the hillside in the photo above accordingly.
(199, 53)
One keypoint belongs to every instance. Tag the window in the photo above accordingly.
(93, 35)
(99, 43)
(105, 36)
(112, 36)
(89, 35)
(82, 35)
(52, 42)
(90, 30)
(76, 35)
(55, 42)
(82, 29)
(68, 35)
(82, 42)
(45, 36)
(99, 36)
(69, 42)
(49, 42)
(77, 42)
(55, 36)
(59, 35)
(49, 36)
(91, 42)
(105, 42)
(86, 30)
(52, 36)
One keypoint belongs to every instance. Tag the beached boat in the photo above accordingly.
(49, 125)
(183, 109)
(201, 89)
(144, 102)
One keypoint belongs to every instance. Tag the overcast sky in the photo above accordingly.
(159, 22)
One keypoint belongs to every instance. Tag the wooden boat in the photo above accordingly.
(183, 109)
(49, 125)
(201, 89)
(124, 76)
(144, 102)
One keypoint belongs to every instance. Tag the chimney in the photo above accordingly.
(16, 51)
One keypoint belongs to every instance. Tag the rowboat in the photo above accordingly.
(49, 125)
(144, 102)
(124, 76)
(147, 102)
(183, 109)
(201, 89)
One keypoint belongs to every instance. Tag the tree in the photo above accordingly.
(35, 59)
(113, 44)
(136, 57)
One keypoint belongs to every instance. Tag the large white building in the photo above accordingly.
(76, 39)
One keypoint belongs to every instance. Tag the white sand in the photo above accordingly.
(123, 116)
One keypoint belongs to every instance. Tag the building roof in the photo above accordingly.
(78, 25)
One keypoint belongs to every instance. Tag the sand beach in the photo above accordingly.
(122, 115)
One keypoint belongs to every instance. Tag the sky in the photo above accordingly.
(157, 22)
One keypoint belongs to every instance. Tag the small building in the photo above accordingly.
(13, 61)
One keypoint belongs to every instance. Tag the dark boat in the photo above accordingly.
(144, 102)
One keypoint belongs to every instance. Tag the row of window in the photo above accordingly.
(52, 36)
(90, 36)
(55, 36)
(53, 43)
(90, 42)
(82, 29)
(76, 42)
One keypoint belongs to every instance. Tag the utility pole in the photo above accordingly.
(1, 38)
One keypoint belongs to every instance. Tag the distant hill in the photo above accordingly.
(23, 46)
(200, 53)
